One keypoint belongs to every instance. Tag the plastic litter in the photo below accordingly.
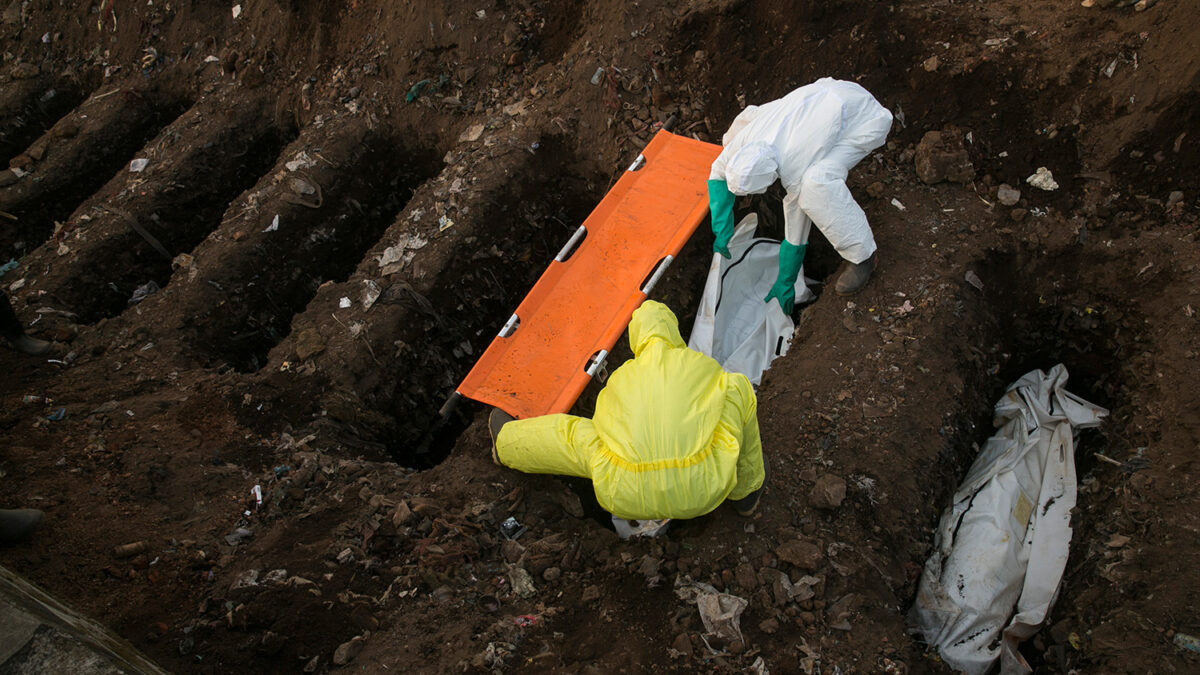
(1189, 642)
(274, 224)
(144, 291)
(57, 415)
(9, 266)
(733, 324)
(1001, 548)
(720, 613)
(511, 529)
(138, 165)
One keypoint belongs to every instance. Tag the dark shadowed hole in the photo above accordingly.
(317, 246)
(32, 114)
(184, 213)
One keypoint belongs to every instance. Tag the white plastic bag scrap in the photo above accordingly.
(721, 613)
(1001, 548)
(733, 324)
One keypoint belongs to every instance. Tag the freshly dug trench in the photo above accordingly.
(28, 108)
(77, 156)
(254, 273)
(126, 239)
(394, 359)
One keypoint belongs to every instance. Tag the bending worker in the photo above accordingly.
(673, 436)
(808, 140)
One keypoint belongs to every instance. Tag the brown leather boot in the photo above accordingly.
(496, 420)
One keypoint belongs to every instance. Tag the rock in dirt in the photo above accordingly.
(940, 156)
(746, 577)
(1043, 179)
(348, 651)
(309, 344)
(683, 645)
(511, 550)
(828, 493)
(800, 552)
(25, 71)
(402, 515)
(7, 177)
(1008, 195)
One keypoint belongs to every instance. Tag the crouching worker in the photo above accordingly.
(674, 434)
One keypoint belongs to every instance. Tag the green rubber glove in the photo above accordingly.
(720, 205)
(791, 257)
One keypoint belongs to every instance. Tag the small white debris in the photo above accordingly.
(274, 224)
(46, 38)
(481, 14)
(20, 283)
(237, 11)
(344, 303)
(138, 165)
(301, 161)
(211, 59)
(896, 203)
(1043, 180)
(974, 279)
(370, 293)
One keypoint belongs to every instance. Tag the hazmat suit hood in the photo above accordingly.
(653, 321)
(752, 169)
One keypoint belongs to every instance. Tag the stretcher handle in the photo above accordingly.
(569, 248)
(658, 272)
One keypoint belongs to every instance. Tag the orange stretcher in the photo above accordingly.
(562, 331)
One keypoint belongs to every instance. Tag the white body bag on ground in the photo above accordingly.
(1001, 548)
(733, 324)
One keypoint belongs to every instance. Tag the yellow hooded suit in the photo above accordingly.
(673, 436)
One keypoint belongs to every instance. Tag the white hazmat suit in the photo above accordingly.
(809, 140)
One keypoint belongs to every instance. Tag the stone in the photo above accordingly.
(875, 190)
(769, 626)
(7, 177)
(931, 64)
(800, 552)
(941, 156)
(1008, 195)
(25, 71)
(682, 644)
(348, 651)
(309, 344)
(402, 515)
(746, 577)
(828, 493)
(1174, 198)
(552, 574)
(511, 550)
(590, 594)
(425, 507)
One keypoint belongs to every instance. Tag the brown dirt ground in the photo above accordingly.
(244, 370)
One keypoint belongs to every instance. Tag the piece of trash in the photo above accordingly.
(370, 293)
(522, 583)
(9, 266)
(144, 291)
(1001, 547)
(1188, 642)
(137, 165)
(905, 308)
(415, 90)
(301, 161)
(627, 529)
(1117, 541)
(344, 303)
(598, 75)
(281, 471)
(238, 536)
(719, 612)
(525, 620)
(130, 550)
(896, 203)
(211, 59)
(1043, 180)
(511, 529)
(257, 492)
(274, 224)
(444, 223)
(974, 279)
(237, 11)
(20, 283)
(471, 133)
(57, 415)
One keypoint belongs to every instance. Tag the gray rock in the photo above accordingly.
(800, 552)
(348, 651)
(1008, 195)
